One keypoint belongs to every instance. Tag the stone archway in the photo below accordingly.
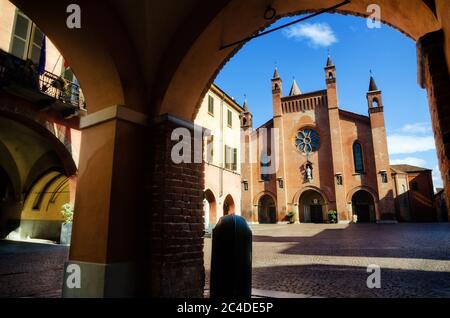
(312, 207)
(127, 74)
(229, 206)
(267, 212)
(363, 206)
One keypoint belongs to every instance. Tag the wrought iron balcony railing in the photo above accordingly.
(59, 93)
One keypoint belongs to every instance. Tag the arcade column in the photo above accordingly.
(138, 224)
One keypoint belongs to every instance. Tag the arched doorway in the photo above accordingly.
(209, 206)
(228, 206)
(312, 207)
(267, 212)
(363, 207)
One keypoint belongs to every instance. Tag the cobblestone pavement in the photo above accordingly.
(31, 270)
(315, 260)
(332, 260)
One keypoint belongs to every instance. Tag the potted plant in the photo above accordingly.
(291, 217)
(66, 227)
(332, 217)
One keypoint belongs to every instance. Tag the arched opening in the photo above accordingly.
(209, 206)
(267, 211)
(312, 207)
(35, 183)
(375, 103)
(228, 206)
(363, 207)
(196, 61)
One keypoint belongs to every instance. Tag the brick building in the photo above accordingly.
(414, 194)
(320, 158)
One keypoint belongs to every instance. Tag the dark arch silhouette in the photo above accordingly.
(228, 206)
(364, 207)
(209, 196)
(267, 213)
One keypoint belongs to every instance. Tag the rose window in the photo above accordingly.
(307, 141)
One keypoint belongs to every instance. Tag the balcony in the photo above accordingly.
(46, 91)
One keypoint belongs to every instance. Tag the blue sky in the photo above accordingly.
(301, 51)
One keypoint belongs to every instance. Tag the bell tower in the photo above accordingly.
(386, 207)
(336, 141)
(246, 117)
(277, 93)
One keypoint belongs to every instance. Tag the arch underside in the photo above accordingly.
(137, 69)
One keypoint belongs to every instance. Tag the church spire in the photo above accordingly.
(245, 106)
(276, 75)
(295, 90)
(372, 85)
(329, 61)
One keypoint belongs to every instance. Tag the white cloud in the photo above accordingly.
(402, 144)
(412, 161)
(416, 128)
(317, 34)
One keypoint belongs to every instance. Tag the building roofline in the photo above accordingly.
(216, 89)
(354, 115)
(266, 124)
(409, 169)
(304, 95)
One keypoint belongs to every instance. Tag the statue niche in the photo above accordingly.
(307, 171)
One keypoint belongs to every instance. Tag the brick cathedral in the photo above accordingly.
(321, 158)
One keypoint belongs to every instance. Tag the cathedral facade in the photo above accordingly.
(313, 160)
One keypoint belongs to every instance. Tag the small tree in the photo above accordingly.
(291, 217)
(332, 217)
(67, 213)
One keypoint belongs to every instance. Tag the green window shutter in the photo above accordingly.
(210, 105)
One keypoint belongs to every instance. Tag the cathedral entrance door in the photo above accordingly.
(316, 214)
(312, 204)
(364, 207)
(267, 212)
(363, 212)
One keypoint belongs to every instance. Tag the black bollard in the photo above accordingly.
(231, 259)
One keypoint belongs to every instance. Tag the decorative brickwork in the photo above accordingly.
(177, 218)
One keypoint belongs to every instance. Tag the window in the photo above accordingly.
(265, 166)
(230, 119)
(27, 39)
(384, 177)
(211, 105)
(210, 149)
(230, 158)
(415, 186)
(339, 180)
(376, 103)
(358, 157)
(281, 183)
(307, 141)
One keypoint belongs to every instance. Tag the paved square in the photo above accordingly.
(332, 260)
(307, 259)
